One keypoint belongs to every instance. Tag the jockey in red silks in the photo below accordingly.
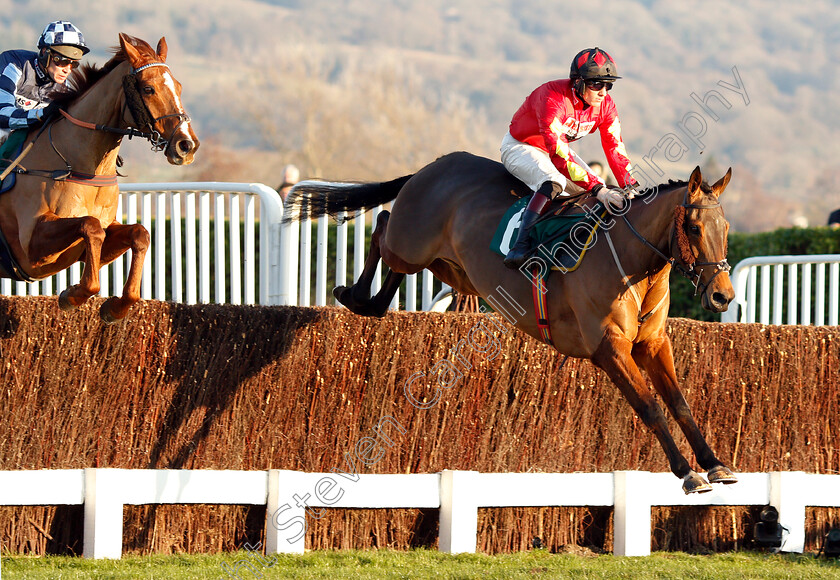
(536, 149)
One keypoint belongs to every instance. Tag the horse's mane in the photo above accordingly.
(87, 75)
(672, 184)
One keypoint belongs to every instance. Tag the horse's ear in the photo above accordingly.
(130, 50)
(694, 181)
(721, 184)
(162, 49)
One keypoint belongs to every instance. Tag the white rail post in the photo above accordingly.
(283, 514)
(788, 495)
(458, 512)
(103, 526)
(632, 514)
(341, 251)
(289, 242)
(321, 261)
(272, 291)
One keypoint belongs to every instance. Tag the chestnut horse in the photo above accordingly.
(63, 208)
(612, 309)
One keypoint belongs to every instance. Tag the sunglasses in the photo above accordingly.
(598, 85)
(62, 61)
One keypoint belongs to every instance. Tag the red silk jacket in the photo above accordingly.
(553, 116)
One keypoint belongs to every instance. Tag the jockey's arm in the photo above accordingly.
(11, 115)
(615, 151)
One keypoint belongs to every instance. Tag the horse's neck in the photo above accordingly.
(655, 220)
(102, 104)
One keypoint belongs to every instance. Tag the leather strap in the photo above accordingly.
(540, 305)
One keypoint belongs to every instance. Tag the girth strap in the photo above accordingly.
(540, 292)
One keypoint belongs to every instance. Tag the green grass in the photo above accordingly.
(429, 564)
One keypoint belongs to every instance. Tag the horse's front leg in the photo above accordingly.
(119, 239)
(614, 355)
(53, 235)
(657, 358)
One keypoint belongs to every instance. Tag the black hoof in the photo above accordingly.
(721, 474)
(361, 307)
(343, 295)
(63, 302)
(105, 311)
(694, 483)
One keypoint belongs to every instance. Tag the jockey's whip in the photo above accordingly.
(17, 161)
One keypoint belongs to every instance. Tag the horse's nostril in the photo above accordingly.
(719, 298)
(185, 146)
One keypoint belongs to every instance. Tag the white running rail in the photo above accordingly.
(458, 495)
(786, 290)
(231, 247)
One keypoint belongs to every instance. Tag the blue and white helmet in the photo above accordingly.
(64, 38)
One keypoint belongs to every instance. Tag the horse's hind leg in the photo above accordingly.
(53, 235)
(357, 297)
(614, 355)
(656, 357)
(118, 240)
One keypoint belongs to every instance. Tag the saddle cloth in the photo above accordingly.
(8, 152)
(551, 236)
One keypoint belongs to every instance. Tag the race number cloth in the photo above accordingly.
(562, 240)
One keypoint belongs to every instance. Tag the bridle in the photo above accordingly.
(139, 111)
(690, 268)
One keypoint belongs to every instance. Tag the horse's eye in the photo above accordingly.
(149, 90)
(694, 229)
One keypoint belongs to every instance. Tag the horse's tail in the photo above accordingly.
(311, 199)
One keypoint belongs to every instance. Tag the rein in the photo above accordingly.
(130, 131)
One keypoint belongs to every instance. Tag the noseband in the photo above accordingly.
(689, 267)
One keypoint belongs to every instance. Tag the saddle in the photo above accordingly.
(560, 237)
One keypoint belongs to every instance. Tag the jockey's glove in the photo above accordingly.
(607, 196)
(50, 110)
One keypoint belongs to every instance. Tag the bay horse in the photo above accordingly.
(63, 208)
(612, 309)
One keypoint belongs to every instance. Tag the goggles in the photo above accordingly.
(597, 85)
(62, 61)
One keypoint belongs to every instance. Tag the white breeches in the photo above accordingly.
(532, 166)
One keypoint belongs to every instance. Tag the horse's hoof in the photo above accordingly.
(367, 307)
(694, 483)
(371, 309)
(105, 312)
(344, 296)
(64, 301)
(721, 474)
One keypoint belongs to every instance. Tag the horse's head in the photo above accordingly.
(153, 97)
(701, 235)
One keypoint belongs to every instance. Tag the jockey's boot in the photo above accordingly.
(519, 252)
